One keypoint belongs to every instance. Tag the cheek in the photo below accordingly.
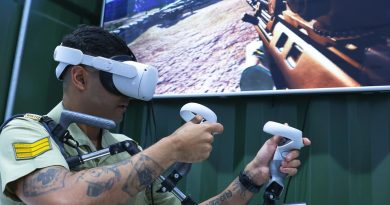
(98, 94)
(105, 100)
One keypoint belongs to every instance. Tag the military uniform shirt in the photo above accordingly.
(25, 146)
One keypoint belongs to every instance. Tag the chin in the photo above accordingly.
(117, 120)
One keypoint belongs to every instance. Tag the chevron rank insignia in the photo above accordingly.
(31, 150)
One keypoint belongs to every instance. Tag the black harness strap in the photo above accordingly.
(53, 128)
(60, 135)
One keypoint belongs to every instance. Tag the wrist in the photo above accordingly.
(259, 175)
(172, 148)
(246, 181)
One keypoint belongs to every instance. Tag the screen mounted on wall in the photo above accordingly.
(222, 47)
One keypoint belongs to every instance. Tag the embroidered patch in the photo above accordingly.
(33, 116)
(31, 150)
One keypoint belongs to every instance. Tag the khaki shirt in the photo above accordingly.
(16, 161)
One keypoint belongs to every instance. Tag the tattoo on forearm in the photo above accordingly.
(221, 198)
(144, 173)
(239, 188)
(95, 189)
(93, 177)
(44, 181)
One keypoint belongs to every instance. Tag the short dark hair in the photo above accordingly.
(96, 41)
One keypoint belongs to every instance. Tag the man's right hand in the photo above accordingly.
(193, 141)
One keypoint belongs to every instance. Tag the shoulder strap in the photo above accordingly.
(54, 130)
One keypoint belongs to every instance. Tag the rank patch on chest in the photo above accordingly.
(31, 150)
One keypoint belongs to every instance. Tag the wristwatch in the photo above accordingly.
(248, 183)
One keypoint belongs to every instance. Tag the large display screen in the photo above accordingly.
(222, 47)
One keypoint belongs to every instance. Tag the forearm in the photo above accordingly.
(112, 184)
(234, 194)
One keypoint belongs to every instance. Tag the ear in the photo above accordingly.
(78, 75)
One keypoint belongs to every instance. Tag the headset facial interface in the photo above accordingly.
(129, 78)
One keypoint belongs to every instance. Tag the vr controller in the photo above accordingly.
(187, 113)
(292, 139)
(129, 78)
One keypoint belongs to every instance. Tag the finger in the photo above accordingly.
(306, 141)
(274, 140)
(292, 155)
(206, 151)
(289, 171)
(197, 119)
(209, 139)
(215, 128)
(292, 164)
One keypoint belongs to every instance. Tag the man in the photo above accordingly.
(42, 176)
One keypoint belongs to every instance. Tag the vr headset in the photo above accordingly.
(129, 78)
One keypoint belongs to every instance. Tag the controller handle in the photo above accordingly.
(187, 112)
(291, 139)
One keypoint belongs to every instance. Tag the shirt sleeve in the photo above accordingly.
(25, 146)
